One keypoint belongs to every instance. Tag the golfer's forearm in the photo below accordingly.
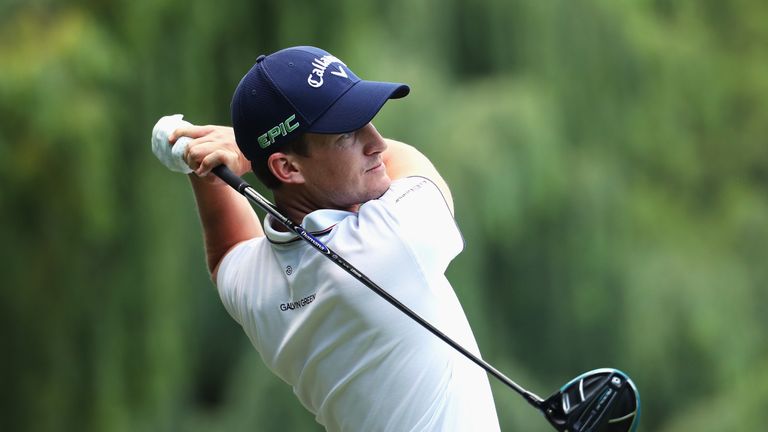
(403, 160)
(227, 219)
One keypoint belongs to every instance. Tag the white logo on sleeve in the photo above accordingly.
(315, 78)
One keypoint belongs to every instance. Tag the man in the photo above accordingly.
(302, 123)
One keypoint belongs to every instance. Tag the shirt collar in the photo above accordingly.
(318, 222)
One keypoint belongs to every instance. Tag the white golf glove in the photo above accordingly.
(171, 156)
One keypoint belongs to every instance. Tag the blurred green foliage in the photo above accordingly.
(608, 161)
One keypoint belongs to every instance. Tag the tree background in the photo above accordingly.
(608, 161)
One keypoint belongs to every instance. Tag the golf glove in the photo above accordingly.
(171, 156)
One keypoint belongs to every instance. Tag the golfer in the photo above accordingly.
(302, 123)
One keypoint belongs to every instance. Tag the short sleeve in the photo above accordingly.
(418, 210)
(231, 278)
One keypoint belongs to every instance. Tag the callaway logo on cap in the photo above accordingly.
(302, 89)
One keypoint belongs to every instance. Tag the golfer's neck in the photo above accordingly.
(296, 208)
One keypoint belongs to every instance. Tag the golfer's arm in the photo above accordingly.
(227, 219)
(403, 160)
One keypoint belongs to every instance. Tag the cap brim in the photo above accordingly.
(355, 108)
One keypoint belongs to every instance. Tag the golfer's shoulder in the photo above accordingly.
(415, 187)
(408, 199)
(413, 211)
(236, 258)
(404, 160)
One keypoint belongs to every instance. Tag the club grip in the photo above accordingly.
(230, 178)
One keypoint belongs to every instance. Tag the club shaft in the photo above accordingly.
(252, 195)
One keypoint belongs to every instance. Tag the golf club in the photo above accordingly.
(602, 400)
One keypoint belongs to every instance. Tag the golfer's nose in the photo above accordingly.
(373, 142)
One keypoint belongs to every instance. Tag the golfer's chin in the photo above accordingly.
(380, 186)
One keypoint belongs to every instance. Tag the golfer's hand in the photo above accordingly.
(210, 147)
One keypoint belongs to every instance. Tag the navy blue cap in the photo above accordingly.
(302, 89)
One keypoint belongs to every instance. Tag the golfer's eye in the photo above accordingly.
(345, 139)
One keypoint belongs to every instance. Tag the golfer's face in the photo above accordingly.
(346, 169)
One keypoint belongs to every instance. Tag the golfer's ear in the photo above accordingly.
(285, 168)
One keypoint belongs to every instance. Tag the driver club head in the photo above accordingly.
(602, 400)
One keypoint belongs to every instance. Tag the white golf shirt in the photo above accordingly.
(354, 360)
